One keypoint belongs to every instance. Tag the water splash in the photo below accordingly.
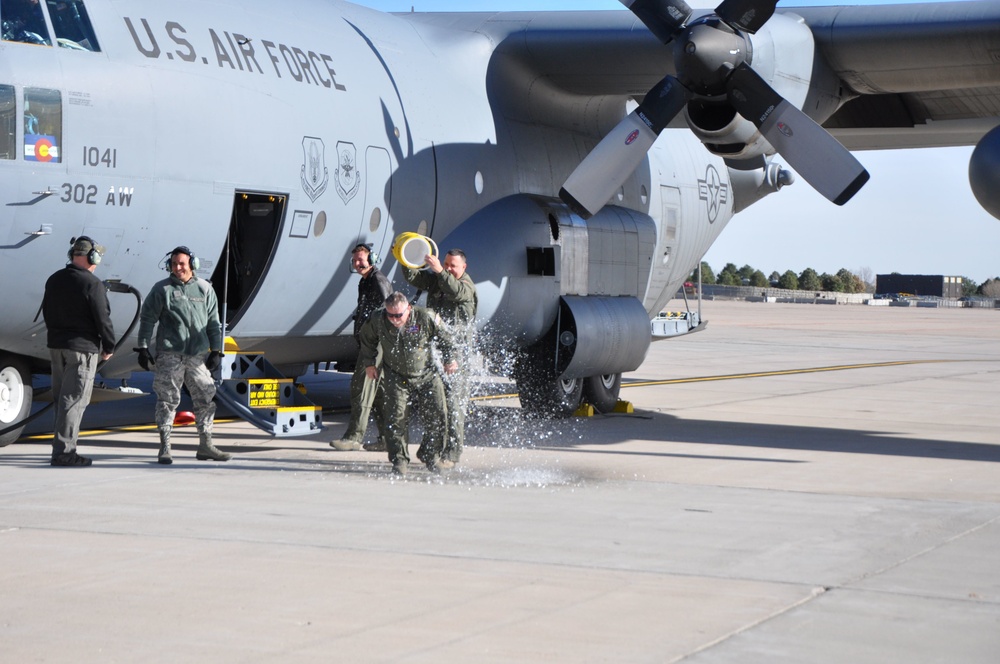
(495, 420)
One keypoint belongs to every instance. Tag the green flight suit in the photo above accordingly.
(456, 301)
(409, 376)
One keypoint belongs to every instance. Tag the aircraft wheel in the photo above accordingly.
(15, 396)
(547, 397)
(601, 392)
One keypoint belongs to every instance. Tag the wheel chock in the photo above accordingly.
(585, 410)
(623, 407)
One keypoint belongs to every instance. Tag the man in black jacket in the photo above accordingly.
(78, 317)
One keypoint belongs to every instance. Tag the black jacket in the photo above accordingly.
(77, 313)
(372, 291)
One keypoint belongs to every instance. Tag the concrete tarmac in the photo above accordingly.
(798, 483)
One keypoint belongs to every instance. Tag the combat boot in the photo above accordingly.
(376, 445)
(345, 445)
(164, 455)
(207, 451)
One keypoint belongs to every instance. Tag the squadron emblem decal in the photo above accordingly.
(315, 174)
(714, 192)
(348, 175)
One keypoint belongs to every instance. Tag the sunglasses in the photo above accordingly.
(399, 315)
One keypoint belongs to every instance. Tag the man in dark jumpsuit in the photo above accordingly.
(78, 318)
(451, 293)
(406, 335)
(365, 394)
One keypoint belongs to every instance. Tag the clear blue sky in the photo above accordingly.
(916, 214)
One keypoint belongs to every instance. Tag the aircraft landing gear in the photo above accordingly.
(574, 345)
(544, 396)
(15, 396)
(601, 392)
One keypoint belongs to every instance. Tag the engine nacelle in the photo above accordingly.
(549, 279)
(784, 54)
(984, 172)
(724, 132)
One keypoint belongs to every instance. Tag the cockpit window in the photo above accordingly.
(42, 125)
(8, 122)
(72, 25)
(22, 21)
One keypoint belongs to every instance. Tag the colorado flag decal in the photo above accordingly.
(38, 147)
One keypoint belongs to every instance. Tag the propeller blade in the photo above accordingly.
(619, 153)
(604, 170)
(664, 18)
(808, 148)
(746, 15)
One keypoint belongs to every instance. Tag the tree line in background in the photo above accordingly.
(845, 281)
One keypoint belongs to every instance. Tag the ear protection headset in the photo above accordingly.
(84, 246)
(195, 263)
(372, 254)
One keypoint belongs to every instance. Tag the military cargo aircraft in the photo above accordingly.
(585, 161)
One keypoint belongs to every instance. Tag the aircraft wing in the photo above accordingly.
(921, 75)
(928, 74)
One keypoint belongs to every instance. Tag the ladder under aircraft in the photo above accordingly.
(257, 392)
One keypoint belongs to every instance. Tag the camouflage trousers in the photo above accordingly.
(174, 370)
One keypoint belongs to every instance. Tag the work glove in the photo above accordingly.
(145, 359)
(213, 361)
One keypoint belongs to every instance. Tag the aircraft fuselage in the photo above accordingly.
(333, 124)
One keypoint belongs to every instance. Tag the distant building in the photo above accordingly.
(918, 284)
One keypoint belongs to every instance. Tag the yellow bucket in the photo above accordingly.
(411, 248)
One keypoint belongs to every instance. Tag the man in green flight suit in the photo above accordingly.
(406, 335)
(452, 294)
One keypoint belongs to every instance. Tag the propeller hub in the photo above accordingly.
(705, 55)
(712, 59)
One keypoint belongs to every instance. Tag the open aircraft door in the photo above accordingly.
(249, 386)
(250, 247)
